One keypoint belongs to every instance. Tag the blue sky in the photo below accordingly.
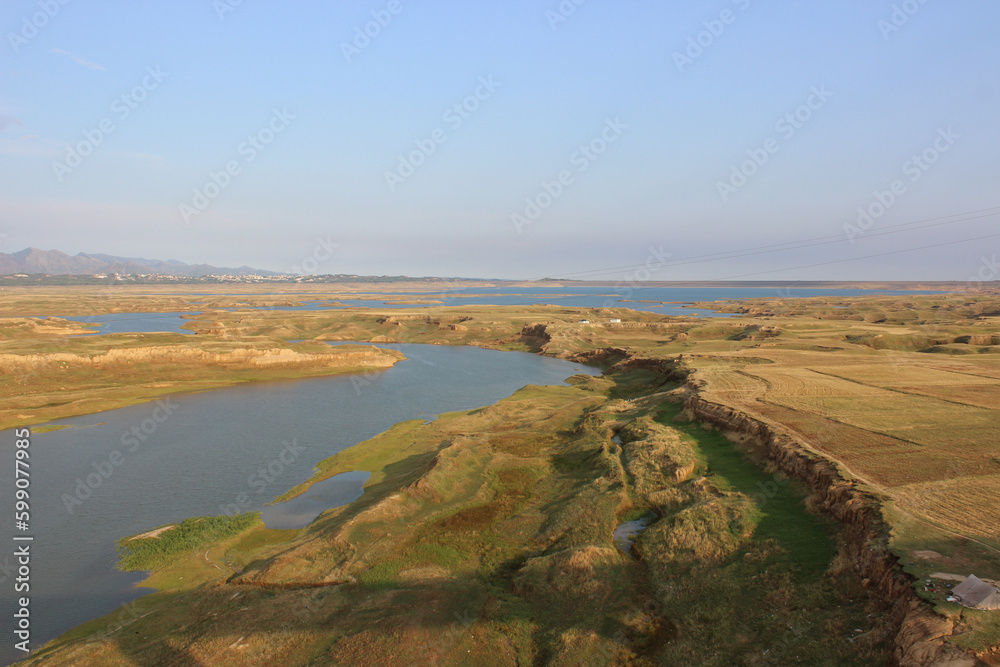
(873, 83)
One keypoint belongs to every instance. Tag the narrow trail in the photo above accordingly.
(211, 561)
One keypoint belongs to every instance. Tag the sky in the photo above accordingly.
(849, 139)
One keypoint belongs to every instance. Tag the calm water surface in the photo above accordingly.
(300, 511)
(195, 454)
(644, 299)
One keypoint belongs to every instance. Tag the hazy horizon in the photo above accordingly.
(574, 138)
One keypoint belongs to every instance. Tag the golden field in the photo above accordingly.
(481, 515)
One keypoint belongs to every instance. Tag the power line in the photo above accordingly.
(854, 259)
(795, 245)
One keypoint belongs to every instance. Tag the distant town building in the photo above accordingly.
(583, 321)
(615, 320)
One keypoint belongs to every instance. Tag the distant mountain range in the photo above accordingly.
(53, 262)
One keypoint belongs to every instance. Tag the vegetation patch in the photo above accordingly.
(486, 537)
(146, 553)
(778, 511)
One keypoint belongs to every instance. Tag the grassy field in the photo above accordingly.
(804, 539)
(166, 545)
(486, 537)
(930, 448)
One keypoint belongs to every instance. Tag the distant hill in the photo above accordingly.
(53, 262)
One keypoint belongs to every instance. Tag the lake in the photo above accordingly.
(579, 297)
(194, 454)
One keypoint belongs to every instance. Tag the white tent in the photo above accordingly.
(977, 594)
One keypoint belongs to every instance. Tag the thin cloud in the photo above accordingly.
(29, 136)
(78, 60)
(9, 121)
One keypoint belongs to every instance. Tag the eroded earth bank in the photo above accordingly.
(486, 537)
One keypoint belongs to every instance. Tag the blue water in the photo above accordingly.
(127, 471)
(628, 297)
(134, 322)
(300, 511)
(113, 323)
(578, 297)
(322, 304)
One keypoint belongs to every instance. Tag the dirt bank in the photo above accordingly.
(178, 354)
(921, 636)
(921, 633)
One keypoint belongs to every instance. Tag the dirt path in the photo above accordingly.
(211, 561)
(153, 533)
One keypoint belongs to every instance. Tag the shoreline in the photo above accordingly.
(665, 346)
(124, 395)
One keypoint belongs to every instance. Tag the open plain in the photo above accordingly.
(806, 467)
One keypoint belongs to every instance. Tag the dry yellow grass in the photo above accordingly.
(729, 379)
(94, 374)
(982, 396)
(181, 354)
(919, 427)
(943, 428)
(961, 384)
(912, 373)
(968, 502)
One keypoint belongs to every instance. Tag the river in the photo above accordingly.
(194, 454)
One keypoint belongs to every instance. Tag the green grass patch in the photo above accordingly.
(136, 554)
(985, 632)
(438, 554)
(804, 537)
(637, 513)
(633, 383)
(381, 577)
